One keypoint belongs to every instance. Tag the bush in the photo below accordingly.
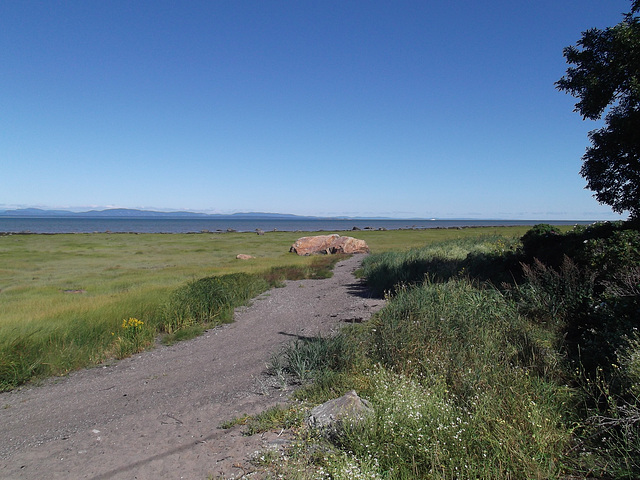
(552, 296)
(541, 242)
(210, 300)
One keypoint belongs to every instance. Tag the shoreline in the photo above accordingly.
(53, 225)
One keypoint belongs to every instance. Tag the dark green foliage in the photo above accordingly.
(541, 242)
(613, 254)
(606, 74)
(604, 248)
(581, 282)
(550, 296)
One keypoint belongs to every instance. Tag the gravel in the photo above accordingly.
(158, 414)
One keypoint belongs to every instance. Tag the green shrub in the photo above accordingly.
(608, 256)
(210, 300)
(307, 358)
(553, 296)
(542, 242)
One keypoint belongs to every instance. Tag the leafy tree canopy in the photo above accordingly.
(606, 80)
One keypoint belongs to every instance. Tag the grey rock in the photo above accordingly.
(330, 415)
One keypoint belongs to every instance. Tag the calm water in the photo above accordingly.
(155, 225)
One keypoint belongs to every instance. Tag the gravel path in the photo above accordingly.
(156, 415)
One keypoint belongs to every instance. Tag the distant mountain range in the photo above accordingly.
(134, 213)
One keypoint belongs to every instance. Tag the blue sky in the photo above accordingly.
(426, 108)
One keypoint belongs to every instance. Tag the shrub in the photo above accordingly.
(609, 256)
(551, 296)
(210, 300)
(541, 242)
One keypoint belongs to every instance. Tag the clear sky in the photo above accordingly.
(430, 108)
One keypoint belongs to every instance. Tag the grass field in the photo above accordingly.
(65, 297)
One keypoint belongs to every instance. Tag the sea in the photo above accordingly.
(52, 225)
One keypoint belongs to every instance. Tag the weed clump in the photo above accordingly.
(210, 300)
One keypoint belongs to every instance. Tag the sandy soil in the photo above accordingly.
(157, 414)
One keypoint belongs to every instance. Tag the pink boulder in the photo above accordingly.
(328, 244)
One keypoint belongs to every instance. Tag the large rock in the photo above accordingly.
(330, 415)
(327, 244)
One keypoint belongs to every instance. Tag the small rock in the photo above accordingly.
(331, 414)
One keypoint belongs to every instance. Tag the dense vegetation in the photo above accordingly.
(493, 358)
(74, 300)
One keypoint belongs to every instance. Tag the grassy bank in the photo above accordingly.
(73, 300)
(493, 358)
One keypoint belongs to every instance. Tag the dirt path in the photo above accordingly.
(157, 415)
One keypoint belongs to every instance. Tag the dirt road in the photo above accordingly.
(157, 415)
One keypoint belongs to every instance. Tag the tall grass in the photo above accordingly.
(67, 299)
(210, 300)
(459, 391)
(462, 384)
(471, 381)
(489, 256)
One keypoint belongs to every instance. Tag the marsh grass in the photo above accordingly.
(64, 297)
(210, 300)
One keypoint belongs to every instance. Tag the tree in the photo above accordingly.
(606, 80)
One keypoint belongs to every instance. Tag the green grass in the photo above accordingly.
(457, 390)
(279, 416)
(468, 380)
(64, 297)
(462, 387)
